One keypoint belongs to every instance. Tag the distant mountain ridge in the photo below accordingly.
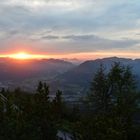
(78, 79)
(73, 80)
(88, 68)
(12, 69)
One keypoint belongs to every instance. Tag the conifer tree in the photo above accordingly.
(114, 97)
(99, 97)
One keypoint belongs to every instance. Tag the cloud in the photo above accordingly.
(86, 43)
(71, 25)
(81, 37)
(96, 43)
(50, 37)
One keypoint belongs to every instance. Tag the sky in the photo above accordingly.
(83, 29)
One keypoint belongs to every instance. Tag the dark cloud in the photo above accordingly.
(87, 43)
(50, 37)
(100, 41)
(81, 37)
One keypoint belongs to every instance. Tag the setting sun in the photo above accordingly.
(21, 55)
(25, 55)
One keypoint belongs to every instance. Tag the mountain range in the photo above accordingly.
(76, 81)
(73, 80)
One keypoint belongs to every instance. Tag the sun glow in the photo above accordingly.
(21, 55)
(25, 56)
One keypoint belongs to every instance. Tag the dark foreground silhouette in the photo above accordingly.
(110, 111)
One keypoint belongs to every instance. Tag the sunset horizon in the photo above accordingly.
(69, 69)
(80, 29)
(79, 56)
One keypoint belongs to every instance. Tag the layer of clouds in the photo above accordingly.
(65, 26)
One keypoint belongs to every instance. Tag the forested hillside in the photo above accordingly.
(110, 110)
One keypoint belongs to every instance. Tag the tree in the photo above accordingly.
(43, 112)
(124, 96)
(114, 97)
(99, 96)
(58, 106)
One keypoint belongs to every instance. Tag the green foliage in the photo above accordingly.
(29, 116)
(99, 98)
(113, 110)
(114, 103)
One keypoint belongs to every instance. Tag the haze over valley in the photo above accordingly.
(73, 79)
